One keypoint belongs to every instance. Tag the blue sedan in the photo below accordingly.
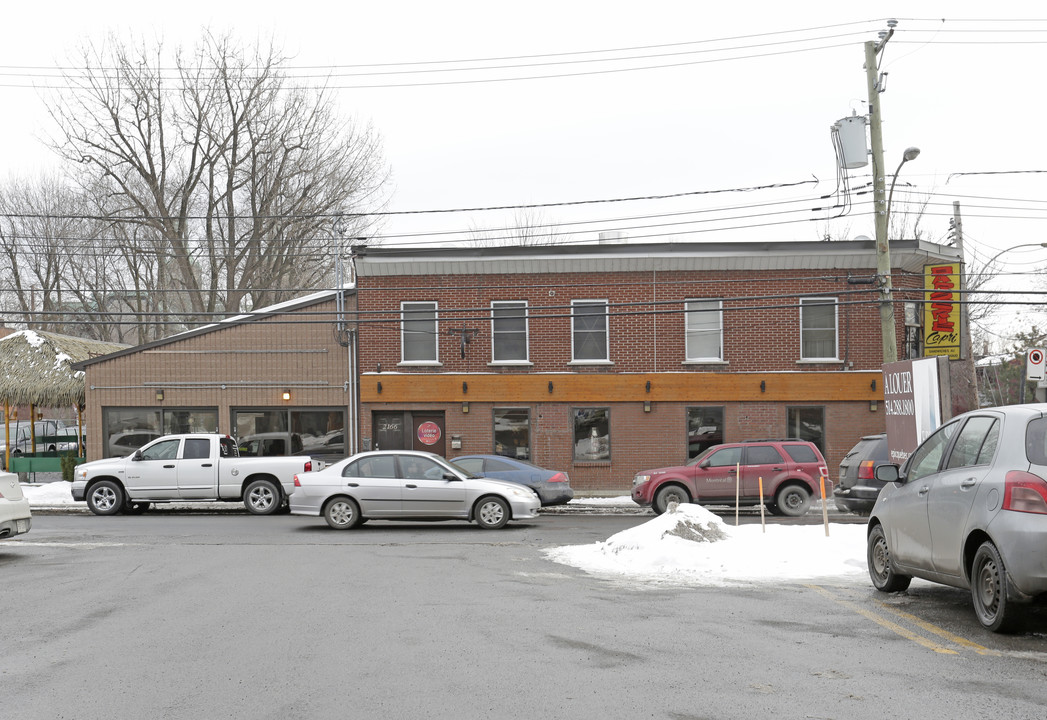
(553, 487)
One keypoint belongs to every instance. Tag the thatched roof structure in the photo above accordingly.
(35, 367)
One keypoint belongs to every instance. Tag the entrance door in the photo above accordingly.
(389, 431)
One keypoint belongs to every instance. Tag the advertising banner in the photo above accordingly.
(941, 314)
(912, 404)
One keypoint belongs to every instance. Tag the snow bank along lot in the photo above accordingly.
(687, 544)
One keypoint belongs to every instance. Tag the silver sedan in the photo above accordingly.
(969, 509)
(408, 485)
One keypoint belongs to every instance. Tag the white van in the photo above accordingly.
(15, 517)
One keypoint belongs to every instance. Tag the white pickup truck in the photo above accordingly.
(186, 468)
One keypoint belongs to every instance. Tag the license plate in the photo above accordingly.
(22, 526)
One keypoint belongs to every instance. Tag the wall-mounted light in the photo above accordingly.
(379, 388)
(647, 406)
(873, 385)
(550, 386)
(465, 408)
(160, 395)
(763, 386)
(378, 367)
(286, 395)
(465, 387)
(872, 406)
(648, 387)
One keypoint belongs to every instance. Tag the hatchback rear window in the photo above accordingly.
(801, 453)
(1036, 441)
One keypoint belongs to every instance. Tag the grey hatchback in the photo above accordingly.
(969, 509)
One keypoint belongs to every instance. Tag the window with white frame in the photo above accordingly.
(418, 336)
(704, 334)
(818, 329)
(589, 341)
(508, 331)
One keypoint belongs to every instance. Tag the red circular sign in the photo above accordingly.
(429, 433)
(1035, 357)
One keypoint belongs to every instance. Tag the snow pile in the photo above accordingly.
(690, 545)
(54, 493)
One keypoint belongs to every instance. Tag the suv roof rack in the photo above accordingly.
(775, 440)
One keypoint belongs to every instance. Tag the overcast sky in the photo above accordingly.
(735, 96)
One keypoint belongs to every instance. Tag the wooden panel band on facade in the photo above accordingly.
(668, 387)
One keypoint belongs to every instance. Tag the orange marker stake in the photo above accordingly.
(763, 525)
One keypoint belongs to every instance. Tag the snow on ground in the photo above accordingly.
(690, 545)
(53, 493)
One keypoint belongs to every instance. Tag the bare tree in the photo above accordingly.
(219, 179)
(528, 228)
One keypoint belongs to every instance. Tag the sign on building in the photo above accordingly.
(941, 314)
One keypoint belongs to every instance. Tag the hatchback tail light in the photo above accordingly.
(297, 482)
(308, 466)
(865, 470)
(558, 477)
(1025, 492)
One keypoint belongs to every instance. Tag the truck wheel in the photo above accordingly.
(262, 497)
(106, 498)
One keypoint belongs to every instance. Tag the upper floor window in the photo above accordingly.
(818, 329)
(508, 331)
(589, 341)
(418, 332)
(704, 330)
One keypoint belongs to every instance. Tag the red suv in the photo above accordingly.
(791, 472)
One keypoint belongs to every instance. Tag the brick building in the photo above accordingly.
(605, 359)
(598, 359)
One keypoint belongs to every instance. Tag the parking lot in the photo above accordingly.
(209, 614)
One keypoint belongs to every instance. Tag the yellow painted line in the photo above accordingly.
(884, 622)
(940, 632)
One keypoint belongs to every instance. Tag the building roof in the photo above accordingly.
(269, 311)
(36, 368)
(906, 255)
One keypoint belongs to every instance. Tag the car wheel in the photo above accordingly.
(106, 498)
(262, 497)
(492, 513)
(669, 494)
(878, 557)
(134, 508)
(342, 513)
(792, 501)
(989, 590)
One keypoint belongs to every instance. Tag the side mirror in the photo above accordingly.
(137, 455)
(451, 477)
(887, 473)
(704, 464)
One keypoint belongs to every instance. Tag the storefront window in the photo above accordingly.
(704, 429)
(127, 429)
(592, 434)
(808, 423)
(317, 432)
(512, 432)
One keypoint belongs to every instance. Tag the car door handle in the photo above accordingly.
(968, 483)
(777, 469)
(411, 486)
(206, 465)
(168, 467)
(924, 490)
(353, 484)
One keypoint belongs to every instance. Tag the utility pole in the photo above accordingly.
(965, 377)
(883, 248)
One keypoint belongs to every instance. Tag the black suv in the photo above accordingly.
(858, 487)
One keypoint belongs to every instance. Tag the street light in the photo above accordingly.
(1007, 250)
(883, 263)
(911, 153)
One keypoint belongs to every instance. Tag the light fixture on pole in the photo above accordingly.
(1007, 250)
(911, 153)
